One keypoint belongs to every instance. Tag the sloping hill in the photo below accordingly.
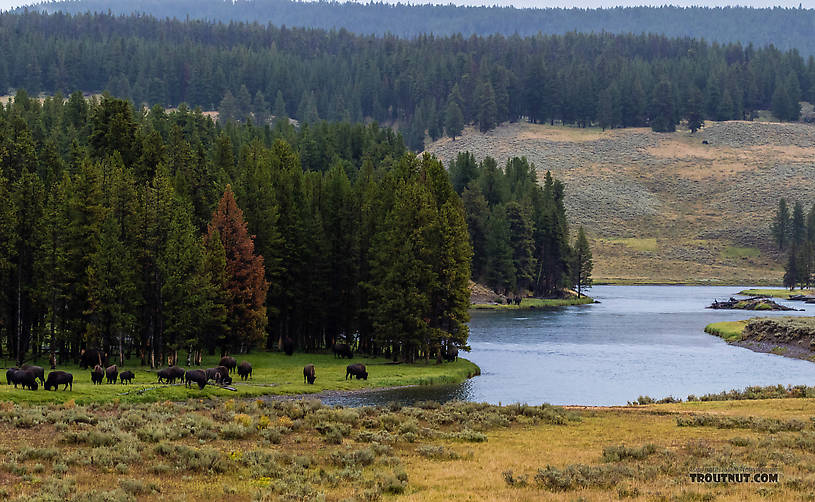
(668, 207)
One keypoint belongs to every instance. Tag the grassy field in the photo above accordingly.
(252, 450)
(535, 303)
(666, 208)
(273, 373)
(731, 331)
(776, 293)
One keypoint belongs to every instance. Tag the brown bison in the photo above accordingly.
(229, 362)
(57, 378)
(38, 372)
(356, 370)
(126, 377)
(111, 373)
(97, 374)
(197, 376)
(220, 374)
(245, 370)
(308, 374)
(343, 350)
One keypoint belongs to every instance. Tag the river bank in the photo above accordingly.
(792, 337)
(534, 303)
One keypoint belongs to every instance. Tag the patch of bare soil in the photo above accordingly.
(699, 200)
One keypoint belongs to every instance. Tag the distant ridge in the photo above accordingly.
(785, 28)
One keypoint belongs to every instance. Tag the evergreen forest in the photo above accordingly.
(425, 86)
(145, 233)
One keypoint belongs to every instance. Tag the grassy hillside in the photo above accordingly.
(667, 207)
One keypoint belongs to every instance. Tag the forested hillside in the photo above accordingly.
(425, 86)
(784, 28)
(145, 232)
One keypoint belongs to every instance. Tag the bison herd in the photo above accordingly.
(27, 376)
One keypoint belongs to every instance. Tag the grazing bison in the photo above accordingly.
(92, 357)
(38, 372)
(245, 370)
(197, 376)
(10, 376)
(229, 362)
(450, 354)
(126, 377)
(111, 373)
(97, 374)
(356, 370)
(343, 350)
(25, 378)
(176, 373)
(288, 346)
(57, 378)
(220, 374)
(164, 375)
(308, 374)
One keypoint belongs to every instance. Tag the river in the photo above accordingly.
(639, 340)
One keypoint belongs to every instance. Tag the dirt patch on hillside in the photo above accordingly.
(634, 183)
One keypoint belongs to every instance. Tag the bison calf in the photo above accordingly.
(57, 378)
(97, 374)
(308, 374)
(245, 370)
(126, 377)
(356, 370)
(197, 376)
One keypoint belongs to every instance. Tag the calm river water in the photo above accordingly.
(640, 340)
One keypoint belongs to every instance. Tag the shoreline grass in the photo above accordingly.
(535, 303)
(731, 331)
(274, 373)
(776, 293)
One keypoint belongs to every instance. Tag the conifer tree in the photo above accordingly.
(780, 226)
(581, 263)
(523, 247)
(247, 284)
(453, 119)
(695, 111)
(662, 108)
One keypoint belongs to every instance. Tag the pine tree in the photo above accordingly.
(279, 110)
(487, 109)
(662, 108)
(523, 247)
(453, 120)
(791, 272)
(500, 274)
(477, 212)
(112, 288)
(228, 110)
(581, 263)
(694, 110)
(780, 226)
(247, 285)
(798, 229)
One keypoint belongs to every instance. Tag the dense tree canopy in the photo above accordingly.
(205, 237)
(783, 27)
(583, 79)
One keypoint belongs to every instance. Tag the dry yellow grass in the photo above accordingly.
(634, 183)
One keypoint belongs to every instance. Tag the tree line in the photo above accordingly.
(794, 234)
(427, 86)
(518, 228)
(786, 28)
(143, 233)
